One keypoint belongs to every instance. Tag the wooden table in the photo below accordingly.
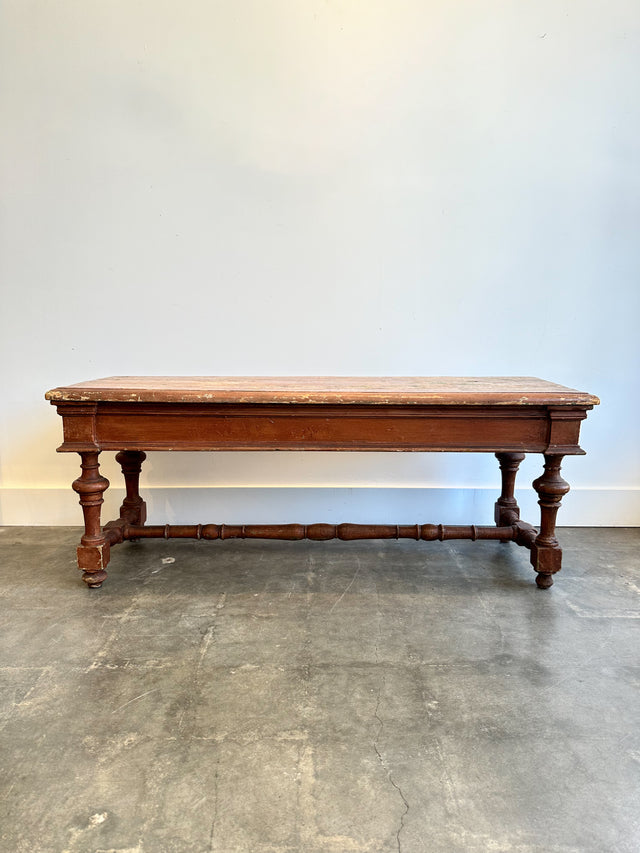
(508, 416)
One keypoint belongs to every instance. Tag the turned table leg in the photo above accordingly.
(133, 509)
(507, 510)
(546, 554)
(93, 551)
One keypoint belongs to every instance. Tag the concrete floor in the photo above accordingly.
(245, 697)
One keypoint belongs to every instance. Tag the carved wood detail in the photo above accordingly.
(546, 554)
(507, 510)
(133, 509)
(93, 551)
(319, 532)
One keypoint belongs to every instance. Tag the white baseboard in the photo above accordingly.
(582, 507)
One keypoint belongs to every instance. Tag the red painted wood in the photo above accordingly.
(509, 416)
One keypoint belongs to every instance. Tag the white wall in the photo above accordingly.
(320, 186)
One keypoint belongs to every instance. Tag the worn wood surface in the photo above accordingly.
(332, 390)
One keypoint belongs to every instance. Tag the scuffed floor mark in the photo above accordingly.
(451, 798)
(207, 639)
(306, 798)
(165, 561)
(120, 619)
(350, 584)
(105, 751)
(214, 819)
(603, 614)
(26, 700)
(76, 833)
(630, 584)
(310, 838)
(135, 699)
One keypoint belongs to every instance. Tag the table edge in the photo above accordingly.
(570, 397)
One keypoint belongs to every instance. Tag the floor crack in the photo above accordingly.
(383, 764)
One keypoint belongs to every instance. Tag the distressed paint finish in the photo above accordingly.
(508, 416)
(404, 390)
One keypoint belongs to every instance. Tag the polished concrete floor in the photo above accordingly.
(245, 697)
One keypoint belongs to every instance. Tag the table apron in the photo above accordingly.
(118, 426)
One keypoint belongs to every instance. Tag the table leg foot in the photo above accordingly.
(94, 580)
(543, 580)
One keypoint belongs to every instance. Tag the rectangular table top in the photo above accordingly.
(332, 390)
